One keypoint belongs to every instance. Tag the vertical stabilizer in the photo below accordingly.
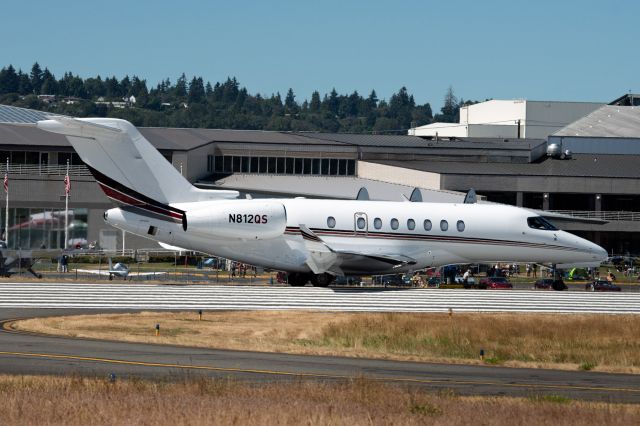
(125, 164)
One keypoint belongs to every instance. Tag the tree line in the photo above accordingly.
(194, 103)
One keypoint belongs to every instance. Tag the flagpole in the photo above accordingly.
(66, 208)
(6, 218)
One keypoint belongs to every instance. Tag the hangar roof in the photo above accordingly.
(580, 165)
(609, 121)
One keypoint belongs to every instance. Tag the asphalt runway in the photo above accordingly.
(25, 353)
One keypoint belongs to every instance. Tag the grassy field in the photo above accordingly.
(588, 342)
(82, 401)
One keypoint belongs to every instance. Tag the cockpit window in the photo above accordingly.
(538, 222)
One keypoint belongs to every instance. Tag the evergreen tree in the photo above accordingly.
(124, 88)
(112, 88)
(36, 78)
(314, 105)
(333, 102)
(49, 83)
(372, 100)
(24, 84)
(196, 91)
(138, 87)
(290, 105)
(9, 81)
(450, 109)
(180, 90)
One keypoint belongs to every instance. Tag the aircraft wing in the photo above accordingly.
(559, 218)
(145, 274)
(323, 258)
(103, 272)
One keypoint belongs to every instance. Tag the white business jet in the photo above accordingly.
(119, 270)
(311, 239)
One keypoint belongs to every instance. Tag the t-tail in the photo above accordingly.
(127, 167)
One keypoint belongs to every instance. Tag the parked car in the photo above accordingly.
(550, 284)
(494, 283)
(602, 285)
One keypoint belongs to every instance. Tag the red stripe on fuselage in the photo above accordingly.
(129, 200)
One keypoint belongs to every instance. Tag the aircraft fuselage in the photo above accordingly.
(366, 234)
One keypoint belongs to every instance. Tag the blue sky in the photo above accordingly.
(543, 50)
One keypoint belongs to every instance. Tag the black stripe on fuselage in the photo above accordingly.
(128, 197)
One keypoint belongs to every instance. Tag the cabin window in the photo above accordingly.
(361, 223)
(444, 225)
(538, 222)
(331, 222)
(394, 223)
(427, 225)
(377, 223)
(460, 226)
(411, 224)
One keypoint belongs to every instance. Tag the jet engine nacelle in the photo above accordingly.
(240, 219)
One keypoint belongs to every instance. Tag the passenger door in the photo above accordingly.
(360, 224)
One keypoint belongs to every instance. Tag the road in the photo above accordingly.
(24, 353)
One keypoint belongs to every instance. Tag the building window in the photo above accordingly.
(239, 164)
(226, 168)
(394, 223)
(342, 167)
(377, 223)
(427, 225)
(411, 224)
(460, 226)
(331, 222)
(263, 165)
(333, 168)
(444, 225)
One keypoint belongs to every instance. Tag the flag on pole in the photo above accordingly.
(67, 184)
(6, 183)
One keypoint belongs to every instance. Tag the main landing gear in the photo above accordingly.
(299, 279)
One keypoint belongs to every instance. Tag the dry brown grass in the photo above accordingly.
(598, 342)
(82, 401)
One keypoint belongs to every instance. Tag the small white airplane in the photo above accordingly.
(311, 239)
(119, 270)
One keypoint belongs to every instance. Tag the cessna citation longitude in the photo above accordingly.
(313, 240)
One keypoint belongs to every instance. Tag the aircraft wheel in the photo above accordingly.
(297, 279)
(322, 280)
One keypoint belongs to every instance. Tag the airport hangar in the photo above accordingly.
(600, 180)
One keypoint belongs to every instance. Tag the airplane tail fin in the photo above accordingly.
(128, 168)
